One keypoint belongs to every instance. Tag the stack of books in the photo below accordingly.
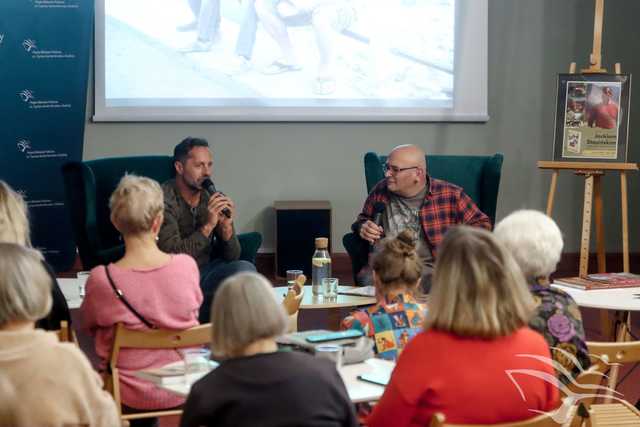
(174, 373)
(601, 281)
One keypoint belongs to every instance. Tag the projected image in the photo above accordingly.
(289, 53)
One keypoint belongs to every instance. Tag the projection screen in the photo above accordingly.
(290, 60)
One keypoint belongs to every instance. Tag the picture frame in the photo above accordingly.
(592, 118)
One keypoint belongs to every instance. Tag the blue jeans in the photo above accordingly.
(248, 27)
(212, 275)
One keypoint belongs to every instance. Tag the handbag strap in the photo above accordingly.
(120, 296)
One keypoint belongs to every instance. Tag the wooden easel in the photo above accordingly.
(593, 172)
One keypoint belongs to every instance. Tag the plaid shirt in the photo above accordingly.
(445, 205)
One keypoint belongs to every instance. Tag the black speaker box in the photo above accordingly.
(298, 223)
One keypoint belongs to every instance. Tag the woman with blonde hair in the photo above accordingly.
(14, 228)
(255, 384)
(52, 383)
(476, 361)
(397, 316)
(535, 242)
(146, 289)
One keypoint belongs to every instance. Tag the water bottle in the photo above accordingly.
(320, 265)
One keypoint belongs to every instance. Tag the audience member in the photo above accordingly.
(260, 385)
(14, 228)
(397, 316)
(476, 361)
(195, 222)
(162, 292)
(54, 381)
(535, 242)
(415, 201)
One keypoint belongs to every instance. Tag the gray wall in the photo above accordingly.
(530, 41)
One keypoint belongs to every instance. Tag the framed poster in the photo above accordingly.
(592, 117)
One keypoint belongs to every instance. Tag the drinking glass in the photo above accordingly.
(292, 275)
(330, 287)
(332, 352)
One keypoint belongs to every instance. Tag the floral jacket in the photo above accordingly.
(558, 320)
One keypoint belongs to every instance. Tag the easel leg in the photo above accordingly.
(625, 221)
(586, 225)
(597, 208)
(552, 192)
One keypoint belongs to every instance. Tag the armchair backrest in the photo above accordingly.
(479, 176)
(88, 186)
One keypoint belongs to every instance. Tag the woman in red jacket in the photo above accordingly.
(476, 362)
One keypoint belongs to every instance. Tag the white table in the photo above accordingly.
(71, 290)
(359, 391)
(310, 301)
(607, 299)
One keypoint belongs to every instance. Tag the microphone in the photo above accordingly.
(378, 210)
(208, 185)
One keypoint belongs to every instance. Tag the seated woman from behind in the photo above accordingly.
(397, 316)
(52, 382)
(14, 228)
(162, 289)
(476, 360)
(535, 242)
(255, 384)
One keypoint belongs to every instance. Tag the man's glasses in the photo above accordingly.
(395, 170)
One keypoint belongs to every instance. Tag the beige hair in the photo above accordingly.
(396, 262)
(25, 285)
(135, 203)
(534, 240)
(14, 220)
(478, 289)
(244, 310)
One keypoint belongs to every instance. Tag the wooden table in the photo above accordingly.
(358, 390)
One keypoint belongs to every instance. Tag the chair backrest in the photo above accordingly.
(150, 339)
(65, 333)
(605, 353)
(88, 186)
(543, 420)
(479, 176)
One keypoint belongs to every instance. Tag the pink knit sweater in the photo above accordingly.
(169, 297)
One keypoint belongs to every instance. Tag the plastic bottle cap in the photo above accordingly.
(322, 243)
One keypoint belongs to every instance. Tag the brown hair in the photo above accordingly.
(478, 289)
(396, 263)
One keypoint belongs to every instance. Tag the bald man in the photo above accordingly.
(412, 199)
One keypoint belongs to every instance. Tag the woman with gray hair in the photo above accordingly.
(54, 382)
(261, 386)
(535, 242)
(14, 228)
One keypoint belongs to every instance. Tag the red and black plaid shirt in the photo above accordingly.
(445, 205)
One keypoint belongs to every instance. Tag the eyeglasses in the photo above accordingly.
(395, 170)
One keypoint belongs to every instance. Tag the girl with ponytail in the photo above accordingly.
(398, 314)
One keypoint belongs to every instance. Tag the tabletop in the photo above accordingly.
(358, 390)
(310, 301)
(623, 299)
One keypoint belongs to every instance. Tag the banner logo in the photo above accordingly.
(29, 45)
(29, 98)
(24, 145)
(26, 95)
(1, 38)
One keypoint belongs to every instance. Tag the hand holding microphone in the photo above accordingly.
(372, 231)
(208, 185)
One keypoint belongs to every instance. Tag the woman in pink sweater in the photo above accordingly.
(164, 290)
(476, 362)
